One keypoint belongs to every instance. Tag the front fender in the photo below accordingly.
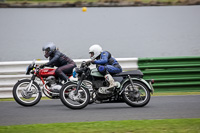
(149, 85)
(23, 79)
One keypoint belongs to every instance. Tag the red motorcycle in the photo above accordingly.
(28, 92)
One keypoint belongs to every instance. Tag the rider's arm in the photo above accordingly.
(53, 60)
(104, 58)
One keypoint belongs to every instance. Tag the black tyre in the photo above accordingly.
(138, 96)
(72, 101)
(24, 97)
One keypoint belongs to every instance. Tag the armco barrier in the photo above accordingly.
(168, 72)
(11, 72)
(172, 72)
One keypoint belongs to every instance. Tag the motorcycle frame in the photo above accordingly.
(124, 81)
(128, 78)
(35, 74)
(43, 82)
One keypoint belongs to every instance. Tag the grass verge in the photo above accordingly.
(73, 1)
(175, 93)
(126, 126)
(171, 92)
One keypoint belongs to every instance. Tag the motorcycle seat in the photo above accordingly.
(135, 73)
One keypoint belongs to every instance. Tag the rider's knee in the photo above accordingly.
(102, 70)
(58, 71)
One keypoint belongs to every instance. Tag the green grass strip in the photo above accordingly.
(145, 1)
(126, 126)
(175, 93)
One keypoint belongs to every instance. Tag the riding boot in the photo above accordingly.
(107, 90)
(110, 79)
(64, 77)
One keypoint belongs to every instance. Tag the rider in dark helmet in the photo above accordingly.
(56, 58)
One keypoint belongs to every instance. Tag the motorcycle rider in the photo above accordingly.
(56, 58)
(106, 65)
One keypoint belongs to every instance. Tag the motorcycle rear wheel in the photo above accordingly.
(138, 97)
(79, 101)
(24, 97)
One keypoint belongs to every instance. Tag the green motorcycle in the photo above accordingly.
(130, 88)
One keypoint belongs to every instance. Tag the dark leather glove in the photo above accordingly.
(88, 63)
(92, 61)
(42, 66)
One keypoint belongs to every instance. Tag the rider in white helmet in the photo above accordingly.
(106, 65)
(94, 51)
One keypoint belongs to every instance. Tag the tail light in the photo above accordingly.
(152, 81)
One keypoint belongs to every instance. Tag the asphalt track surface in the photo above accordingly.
(53, 111)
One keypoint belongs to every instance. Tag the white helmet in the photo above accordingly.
(96, 50)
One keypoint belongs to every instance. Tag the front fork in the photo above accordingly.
(79, 84)
(32, 80)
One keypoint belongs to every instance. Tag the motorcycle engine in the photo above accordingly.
(53, 86)
(99, 83)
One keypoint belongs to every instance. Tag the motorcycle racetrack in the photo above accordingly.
(53, 111)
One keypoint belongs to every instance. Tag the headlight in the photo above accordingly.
(28, 69)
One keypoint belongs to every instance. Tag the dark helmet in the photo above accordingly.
(48, 49)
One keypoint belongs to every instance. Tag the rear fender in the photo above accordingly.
(149, 85)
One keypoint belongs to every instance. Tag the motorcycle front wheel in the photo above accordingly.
(137, 96)
(26, 97)
(74, 101)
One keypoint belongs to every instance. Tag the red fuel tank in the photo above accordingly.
(47, 72)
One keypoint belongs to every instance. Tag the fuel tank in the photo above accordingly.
(96, 73)
(47, 72)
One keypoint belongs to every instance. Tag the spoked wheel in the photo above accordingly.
(137, 96)
(26, 97)
(70, 100)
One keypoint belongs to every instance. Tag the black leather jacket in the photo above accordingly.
(59, 59)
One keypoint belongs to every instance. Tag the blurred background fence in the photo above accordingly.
(11, 72)
(168, 72)
(172, 72)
